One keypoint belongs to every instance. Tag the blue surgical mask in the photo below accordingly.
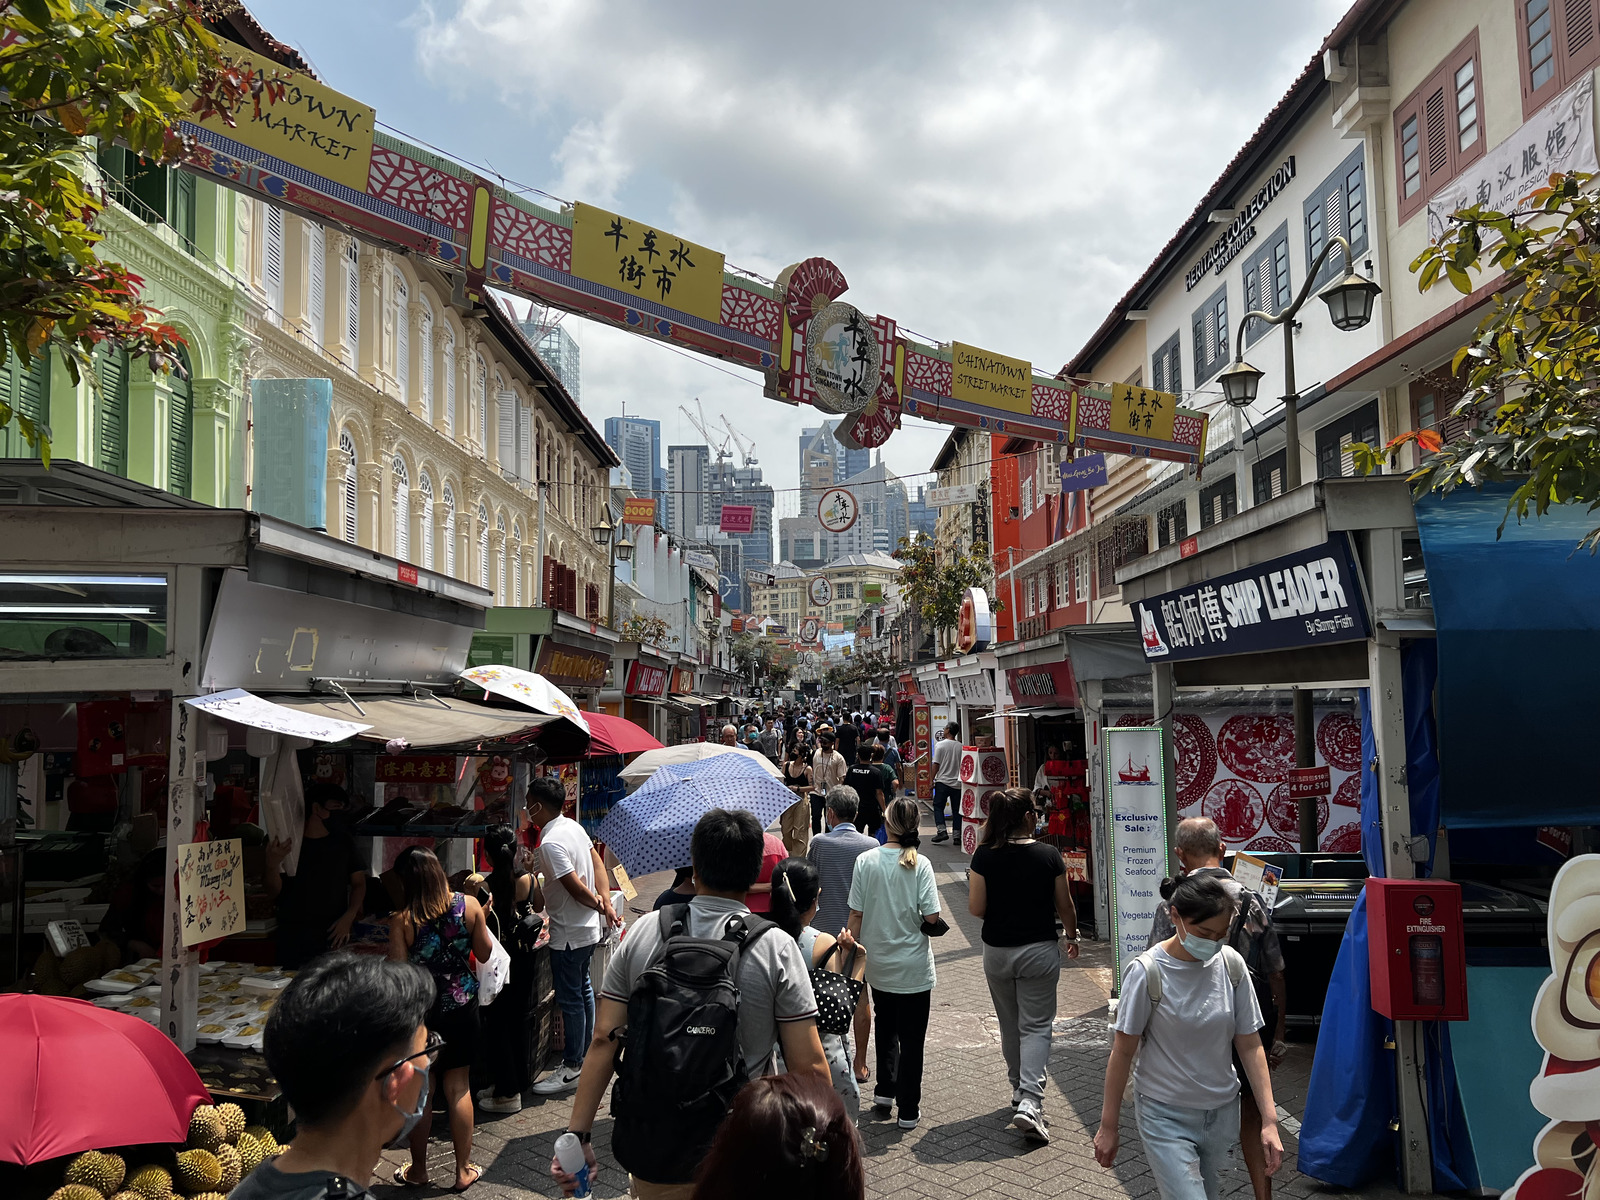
(1203, 949)
(411, 1118)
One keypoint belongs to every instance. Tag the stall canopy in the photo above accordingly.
(614, 735)
(429, 722)
(1518, 651)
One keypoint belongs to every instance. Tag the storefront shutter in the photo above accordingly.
(180, 430)
(111, 412)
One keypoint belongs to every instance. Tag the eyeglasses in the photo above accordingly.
(431, 1051)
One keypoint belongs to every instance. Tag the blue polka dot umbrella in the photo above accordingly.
(651, 829)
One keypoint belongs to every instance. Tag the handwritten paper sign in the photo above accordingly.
(211, 890)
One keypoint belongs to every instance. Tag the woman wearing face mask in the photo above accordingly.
(1190, 1001)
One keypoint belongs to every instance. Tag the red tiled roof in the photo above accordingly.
(242, 27)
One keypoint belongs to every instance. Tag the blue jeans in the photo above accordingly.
(941, 793)
(1187, 1147)
(575, 999)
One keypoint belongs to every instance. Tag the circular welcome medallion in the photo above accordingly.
(819, 591)
(837, 509)
(843, 359)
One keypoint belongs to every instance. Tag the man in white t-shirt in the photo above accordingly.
(578, 902)
(947, 781)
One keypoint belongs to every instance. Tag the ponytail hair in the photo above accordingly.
(1009, 812)
(795, 886)
(901, 821)
(1196, 897)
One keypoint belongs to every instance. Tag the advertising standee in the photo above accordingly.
(1138, 828)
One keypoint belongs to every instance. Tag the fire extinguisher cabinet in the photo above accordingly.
(1416, 948)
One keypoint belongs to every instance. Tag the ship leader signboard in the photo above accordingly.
(1312, 597)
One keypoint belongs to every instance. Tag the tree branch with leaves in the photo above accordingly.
(935, 584)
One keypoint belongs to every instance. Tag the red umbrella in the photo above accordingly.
(613, 735)
(75, 1077)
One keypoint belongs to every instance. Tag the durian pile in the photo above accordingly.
(221, 1150)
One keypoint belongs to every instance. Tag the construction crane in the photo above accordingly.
(699, 422)
(747, 448)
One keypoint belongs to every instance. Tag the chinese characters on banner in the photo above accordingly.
(1138, 827)
(1142, 411)
(211, 890)
(649, 263)
(738, 518)
(407, 768)
(994, 380)
(1310, 597)
(1559, 138)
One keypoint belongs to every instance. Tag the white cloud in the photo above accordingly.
(997, 174)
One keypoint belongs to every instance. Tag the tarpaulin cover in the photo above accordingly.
(1345, 1138)
(1519, 638)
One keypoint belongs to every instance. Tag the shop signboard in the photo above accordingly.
(872, 593)
(738, 518)
(1047, 685)
(650, 263)
(414, 768)
(1085, 471)
(922, 738)
(1312, 597)
(948, 497)
(572, 667)
(1138, 828)
(211, 890)
(974, 622)
(1307, 783)
(682, 681)
(639, 510)
(937, 689)
(975, 690)
(645, 680)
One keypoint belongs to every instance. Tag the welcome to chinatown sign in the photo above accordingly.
(1241, 231)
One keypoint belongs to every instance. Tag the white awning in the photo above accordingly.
(1027, 712)
(424, 722)
(245, 708)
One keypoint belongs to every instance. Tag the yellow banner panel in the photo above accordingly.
(649, 262)
(1142, 411)
(993, 380)
(311, 126)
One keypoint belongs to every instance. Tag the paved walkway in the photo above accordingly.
(964, 1146)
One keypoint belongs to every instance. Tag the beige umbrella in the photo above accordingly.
(650, 761)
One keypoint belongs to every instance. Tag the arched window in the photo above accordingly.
(347, 487)
(505, 590)
(483, 547)
(180, 428)
(402, 336)
(481, 400)
(425, 359)
(425, 486)
(449, 531)
(449, 368)
(516, 565)
(402, 508)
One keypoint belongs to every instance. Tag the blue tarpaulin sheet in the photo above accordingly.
(1344, 1136)
(1519, 651)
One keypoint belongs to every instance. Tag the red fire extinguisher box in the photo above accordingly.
(1416, 949)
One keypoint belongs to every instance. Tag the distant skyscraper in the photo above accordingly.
(637, 442)
(557, 347)
(920, 515)
(688, 482)
(742, 485)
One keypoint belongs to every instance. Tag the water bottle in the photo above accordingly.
(569, 1153)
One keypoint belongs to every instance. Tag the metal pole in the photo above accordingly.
(611, 584)
(1291, 410)
(538, 575)
(1305, 755)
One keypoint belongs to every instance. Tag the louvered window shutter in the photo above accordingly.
(402, 337)
(347, 446)
(317, 289)
(352, 298)
(402, 508)
(449, 532)
(483, 547)
(1282, 293)
(523, 418)
(112, 420)
(183, 206)
(506, 431)
(33, 386)
(180, 430)
(425, 357)
(272, 262)
(426, 488)
(483, 403)
(450, 386)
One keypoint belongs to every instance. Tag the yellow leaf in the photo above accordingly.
(39, 333)
(72, 120)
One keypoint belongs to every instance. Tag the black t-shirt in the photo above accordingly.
(1020, 880)
(266, 1182)
(869, 784)
(318, 893)
(848, 735)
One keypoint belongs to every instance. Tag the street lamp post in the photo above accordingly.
(1349, 300)
(620, 550)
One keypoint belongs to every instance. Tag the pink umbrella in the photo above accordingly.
(75, 1077)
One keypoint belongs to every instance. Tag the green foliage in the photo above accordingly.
(935, 584)
(71, 71)
(1532, 368)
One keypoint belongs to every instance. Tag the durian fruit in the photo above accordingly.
(126, 1195)
(263, 1135)
(151, 1183)
(75, 1191)
(103, 1172)
(198, 1171)
(249, 1153)
(208, 1196)
(232, 1167)
(232, 1121)
(205, 1128)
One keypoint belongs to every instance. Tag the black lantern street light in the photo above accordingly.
(1349, 300)
(621, 549)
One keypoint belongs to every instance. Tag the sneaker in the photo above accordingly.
(1031, 1121)
(489, 1102)
(909, 1122)
(563, 1079)
(882, 1101)
(942, 836)
(1016, 1099)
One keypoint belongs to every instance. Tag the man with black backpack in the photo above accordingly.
(692, 1004)
(1199, 848)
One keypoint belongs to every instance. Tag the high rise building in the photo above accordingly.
(743, 485)
(821, 464)
(920, 514)
(637, 442)
(688, 485)
(557, 347)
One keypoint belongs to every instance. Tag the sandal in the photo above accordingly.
(403, 1179)
(477, 1175)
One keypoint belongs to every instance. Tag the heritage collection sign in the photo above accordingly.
(1312, 597)
(1242, 229)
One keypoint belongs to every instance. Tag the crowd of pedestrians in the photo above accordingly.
(732, 1023)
